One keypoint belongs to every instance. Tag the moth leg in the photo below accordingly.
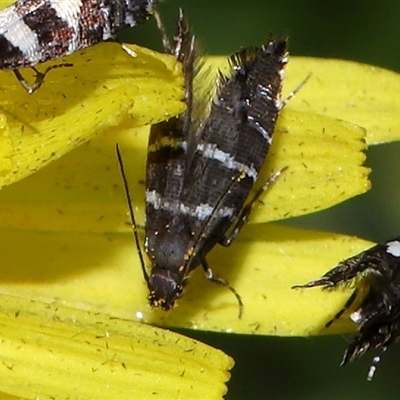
(328, 285)
(208, 272)
(244, 214)
(346, 271)
(343, 273)
(164, 37)
(293, 92)
(39, 77)
(350, 301)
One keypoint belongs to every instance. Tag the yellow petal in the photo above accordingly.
(101, 273)
(359, 93)
(74, 104)
(83, 191)
(262, 265)
(325, 160)
(66, 237)
(6, 3)
(50, 351)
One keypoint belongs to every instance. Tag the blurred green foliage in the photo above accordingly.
(368, 32)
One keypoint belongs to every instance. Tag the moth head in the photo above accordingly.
(165, 287)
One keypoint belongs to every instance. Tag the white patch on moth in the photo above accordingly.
(201, 211)
(70, 12)
(204, 211)
(260, 129)
(14, 29)
(179, 171)
(153, 198)
(184, 145)
(129, 20)
(372, 368)
(210, 150)
(107, 28)
(150, 6)
(279, 104)
(356, 316)
(393, 248)
(285, 60)
(264, 91)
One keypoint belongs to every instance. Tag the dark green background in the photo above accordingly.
(365, 31)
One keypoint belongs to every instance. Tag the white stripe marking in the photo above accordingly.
(153, 198)
(14, 29)
(201, 212)
(210, 150)
(259, 128)
(204, 211)
(356, 316)
(393, 248)
(107, 28)
(69, 11)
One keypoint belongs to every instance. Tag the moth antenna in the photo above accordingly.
(350, 301)
(131, 213)
(164, 36)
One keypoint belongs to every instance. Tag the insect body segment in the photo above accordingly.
(378, 316)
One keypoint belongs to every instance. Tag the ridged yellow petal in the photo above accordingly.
(324, 159)
(262, 265)
(101, 273)
(50, 351)
(75, 104)
(83, 191)
(359, 93)
(66, 236)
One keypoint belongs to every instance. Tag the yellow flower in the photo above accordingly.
(71, 279)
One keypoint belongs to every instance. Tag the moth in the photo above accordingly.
(378, 316)
(200, 173)
(35, 31)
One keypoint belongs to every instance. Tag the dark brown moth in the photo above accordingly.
(200, 172)
(378, 316)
